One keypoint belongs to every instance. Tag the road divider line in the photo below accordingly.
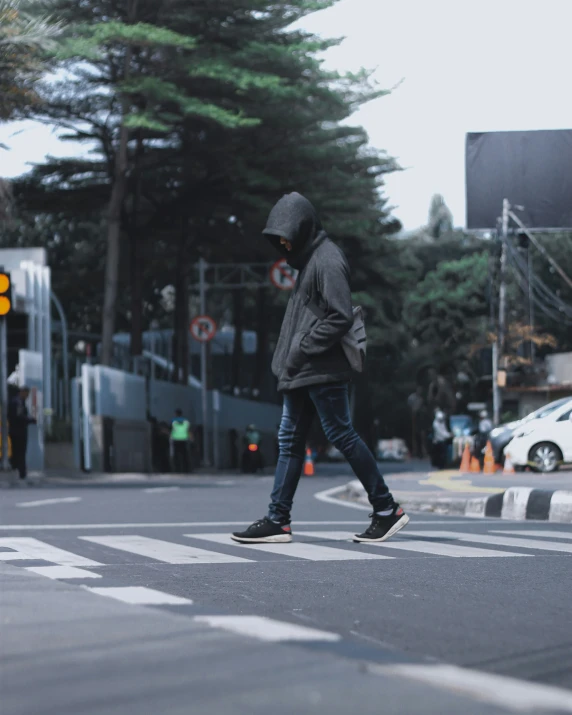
(62, 572)
(139, 596)
(267, 629)
(158, 490)
(26, 548)
(516, 695)
(168, 552)
(298, 550)
(199, 524)
(46, 502)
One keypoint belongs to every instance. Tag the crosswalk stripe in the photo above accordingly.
(508, 693)
(536, 533)
(140, 595)
(496, 540)
(57, 572)
(424, 547)
(310, 552)
(30, 549)
(267, 629)
(166, 551)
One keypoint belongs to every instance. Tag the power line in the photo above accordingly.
(541, 248)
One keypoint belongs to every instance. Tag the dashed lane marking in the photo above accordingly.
(46, 502)
(62, 572)
(24, 548)
(296, 549)
(166, 551)
(515, 695)
(496, 540)
(423, 547)
(159, 490)
(267, 629)
(140, 595)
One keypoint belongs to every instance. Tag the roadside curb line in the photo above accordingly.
(515, 503)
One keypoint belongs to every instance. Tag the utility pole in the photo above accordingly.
(531, 303)
(498, 346)
(204, 386)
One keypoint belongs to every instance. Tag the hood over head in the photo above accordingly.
(295, 219)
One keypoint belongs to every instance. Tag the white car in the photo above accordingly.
(543, 444)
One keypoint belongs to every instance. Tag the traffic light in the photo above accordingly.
(5, 293)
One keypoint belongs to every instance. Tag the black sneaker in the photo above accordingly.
(383, 527)
(264, 531)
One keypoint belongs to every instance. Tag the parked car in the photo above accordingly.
(502, 435)
(543, 443)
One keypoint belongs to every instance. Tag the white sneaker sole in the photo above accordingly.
(394, 529)
(277, 539)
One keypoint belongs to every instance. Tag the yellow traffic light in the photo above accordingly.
(5, 293)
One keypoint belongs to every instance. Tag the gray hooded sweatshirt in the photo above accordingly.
(309, 350)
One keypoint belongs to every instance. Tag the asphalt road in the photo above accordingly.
(454, 615)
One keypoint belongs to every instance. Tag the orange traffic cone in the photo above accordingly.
(308, 464)
(489, 467)
(508, 465)
(466, 460)
(475, 466)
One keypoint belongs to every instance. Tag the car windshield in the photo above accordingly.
(546, 410)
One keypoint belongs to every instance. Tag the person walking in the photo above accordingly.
(440, 440)
(481, 436)
(313, 374)
(181, 437)
(18, 421)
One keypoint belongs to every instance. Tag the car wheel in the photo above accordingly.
(545, 457)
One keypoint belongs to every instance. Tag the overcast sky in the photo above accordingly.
(466, 66)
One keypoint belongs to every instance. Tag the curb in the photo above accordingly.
(516, 503)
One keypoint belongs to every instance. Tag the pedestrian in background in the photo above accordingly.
(481, 436)
(313, 373)
(440, 440)
(18, 422)
(181, 437)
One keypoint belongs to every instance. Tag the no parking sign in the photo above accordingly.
(203, 328)
(282, 275)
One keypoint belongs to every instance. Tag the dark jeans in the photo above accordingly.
(19, 449)
(330, 402)
(181, 456)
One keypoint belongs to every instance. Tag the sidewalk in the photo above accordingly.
(516, 496)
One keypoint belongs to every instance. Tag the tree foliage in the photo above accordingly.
(24, 36)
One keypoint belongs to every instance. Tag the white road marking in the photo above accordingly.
(168, 552)
(424, 547)
(496, 540)
(534, 532)
(267, 629)
(204, 524)
(57, 572)
(298, 550)
(158, 490)
(328, 496)
(29, 549)
(516, 695)
(46, 502)
(140, 595)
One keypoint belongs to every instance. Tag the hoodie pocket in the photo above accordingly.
(296, 357)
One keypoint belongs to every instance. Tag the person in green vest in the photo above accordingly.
(181, 436)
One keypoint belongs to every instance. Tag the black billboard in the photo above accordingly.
(531, 169)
